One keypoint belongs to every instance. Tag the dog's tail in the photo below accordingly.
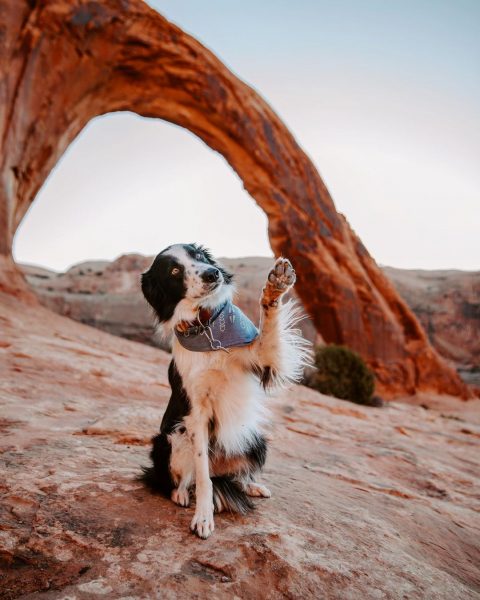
(157, 477)
(155, 482)
(229, 495)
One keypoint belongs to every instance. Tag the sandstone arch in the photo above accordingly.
(64, 62)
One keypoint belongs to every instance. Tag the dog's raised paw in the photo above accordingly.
(282, 276)
(280, 279)
(202, 523)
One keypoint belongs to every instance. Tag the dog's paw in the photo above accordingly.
(181, 497)
(202, 523)
(257, 490)
(282, 276)
(280, 279)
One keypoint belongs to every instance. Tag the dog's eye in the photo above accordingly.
(175, 271)
(198, 256)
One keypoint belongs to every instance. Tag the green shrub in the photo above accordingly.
(342, 373)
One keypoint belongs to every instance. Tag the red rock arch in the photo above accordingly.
(66, 61)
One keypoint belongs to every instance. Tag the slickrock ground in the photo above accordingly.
(107, 295)
(367, 503)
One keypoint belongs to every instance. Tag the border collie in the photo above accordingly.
(212, 436)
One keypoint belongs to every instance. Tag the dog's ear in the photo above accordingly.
(155, 295)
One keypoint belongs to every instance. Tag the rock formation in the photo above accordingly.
(64, 62)
(367, 503)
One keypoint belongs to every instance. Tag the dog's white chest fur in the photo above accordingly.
(218, 383)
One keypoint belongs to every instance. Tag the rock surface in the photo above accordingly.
(107, 295)
(65, 62)
(367, 503)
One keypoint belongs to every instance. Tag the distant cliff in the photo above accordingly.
(447, 303)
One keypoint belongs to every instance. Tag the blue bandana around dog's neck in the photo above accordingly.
(227, 328)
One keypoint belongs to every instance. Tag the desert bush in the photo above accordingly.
(342, 373)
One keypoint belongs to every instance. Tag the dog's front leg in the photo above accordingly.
(197, 427)
(280, 280)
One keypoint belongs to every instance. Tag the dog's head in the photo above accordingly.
(183, 279)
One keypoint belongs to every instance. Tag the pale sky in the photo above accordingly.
(383, 96)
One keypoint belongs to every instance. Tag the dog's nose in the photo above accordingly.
(211, 275)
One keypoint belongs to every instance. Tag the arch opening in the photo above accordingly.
(128, 184)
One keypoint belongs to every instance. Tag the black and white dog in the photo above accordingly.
(212, 432)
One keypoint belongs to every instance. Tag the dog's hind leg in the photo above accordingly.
(253, 488)
(181, 495)
(257, 490)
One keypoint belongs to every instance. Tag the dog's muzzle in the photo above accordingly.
(211, 275)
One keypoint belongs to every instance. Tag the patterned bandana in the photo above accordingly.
(227, 328)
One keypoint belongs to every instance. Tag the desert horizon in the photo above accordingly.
(223, 257)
